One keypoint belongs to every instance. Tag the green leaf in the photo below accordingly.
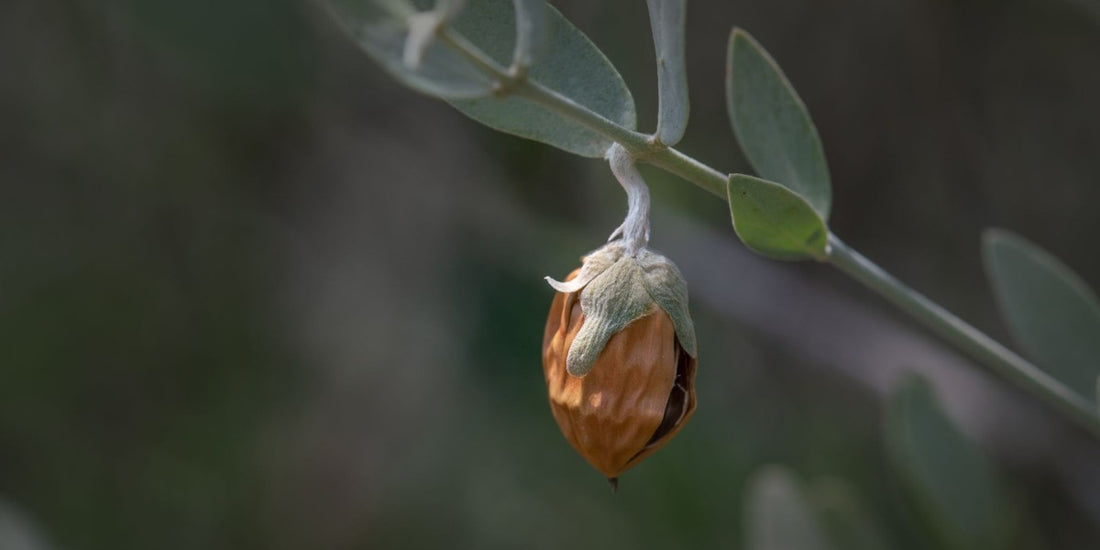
(774, 221)
(1053, 314)
(381, 28)
(772, 124)
(946, 475)
(530, 32)
(572, 66)
(777, 514)
(845, 517)
(449, 8)
(666, 18)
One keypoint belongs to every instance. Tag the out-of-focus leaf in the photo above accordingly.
(572, 66)
(845, 518)
(772, 124)
(530, 32)
(777, 514)
(17, 531)
(1053, 314)
(774, 221)
(944, 472)
(381, 28)
(666, 17)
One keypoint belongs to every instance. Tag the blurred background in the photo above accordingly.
(255, 294)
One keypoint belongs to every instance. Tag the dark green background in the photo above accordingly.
(254, 294)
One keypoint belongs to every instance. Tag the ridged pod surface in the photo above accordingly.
(639, 392)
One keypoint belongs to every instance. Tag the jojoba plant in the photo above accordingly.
(619, 351)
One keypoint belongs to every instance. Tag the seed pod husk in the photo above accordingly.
(620, 378)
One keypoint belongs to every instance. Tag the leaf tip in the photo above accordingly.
(742, 36)
(992, 236)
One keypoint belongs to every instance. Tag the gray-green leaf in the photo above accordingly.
(530, 32)
(774, 221)
(381, 28)
(666, 18)
(1053, 314)
(772, 124)
(18, 531)
(943, 471)
(777, 514)
(572, 66)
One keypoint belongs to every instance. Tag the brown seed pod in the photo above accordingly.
(637, 394)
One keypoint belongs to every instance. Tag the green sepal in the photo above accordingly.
(668, 289)
(613, 300)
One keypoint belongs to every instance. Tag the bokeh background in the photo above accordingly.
(255, 294)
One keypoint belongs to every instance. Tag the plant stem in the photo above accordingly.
(970, 340)
(634, 142)
(645, 148)
(700, 174)
(640, 145)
